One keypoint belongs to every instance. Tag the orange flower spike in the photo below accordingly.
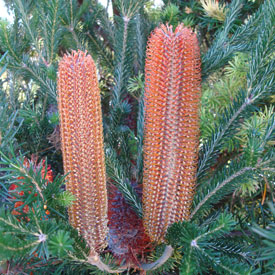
(82, 146)
(171, 127)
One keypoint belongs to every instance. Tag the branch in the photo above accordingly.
(159, 262)
(218, 187)
(94, 259)
(213, 145)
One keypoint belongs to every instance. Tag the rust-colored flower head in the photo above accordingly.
(127, 239)
(82, 146)
(171, 127)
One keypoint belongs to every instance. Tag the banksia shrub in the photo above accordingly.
(171, 127)
(82, 146)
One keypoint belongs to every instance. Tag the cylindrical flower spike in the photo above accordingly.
(82, 146)
(171, 127)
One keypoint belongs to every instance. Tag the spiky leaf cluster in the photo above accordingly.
(204, 247)
(267, 249)
(260, 74)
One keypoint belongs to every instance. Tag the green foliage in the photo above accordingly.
(8, 119)
(100, 35)
(9, 126)
(204, 247)
(238, 171)
(259, 75)
(43, 237)
(16, 238)
(39, 237)
(256, 124)
(171, 15)
(136, 86)
(35, 128)
(170, 265)
(121, 141)
(218, 93)
(136, 89)
(188, 11)
(267, 248)
(238, 67)
(65, 199)
(243, 39)
(60, 243)
(34, 187)
(115, 172)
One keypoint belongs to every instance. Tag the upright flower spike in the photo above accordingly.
(82, 146)
(171, 127)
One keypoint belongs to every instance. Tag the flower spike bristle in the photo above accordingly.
(82, 146)
(171, 127)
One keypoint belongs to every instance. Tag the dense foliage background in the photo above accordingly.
(232, 228)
